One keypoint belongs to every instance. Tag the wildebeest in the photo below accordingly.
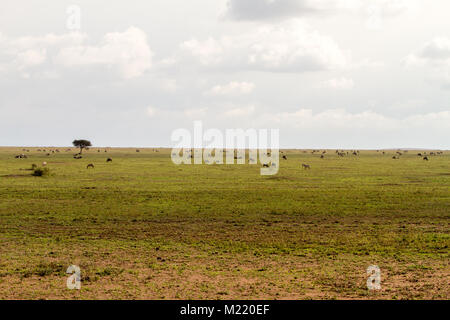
(419, 154)
(322, 156)
(90, 165)
(425, 158)
(284, 157)
(265, 165)
(109, 160)
(21, 156)
(306, 166)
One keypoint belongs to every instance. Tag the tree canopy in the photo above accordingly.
(81, 144)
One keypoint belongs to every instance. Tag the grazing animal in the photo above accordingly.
(284, 157)
(109, 160)
(138, 150)
(21, 156)
(425, 158)
(44, 163)
(306, 166)
(265, 165)
(419, 154)
(394, 157)
(90, 165)
(321, 157)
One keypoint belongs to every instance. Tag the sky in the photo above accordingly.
(352, 74)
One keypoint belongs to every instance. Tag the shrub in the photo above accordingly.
(40, 172)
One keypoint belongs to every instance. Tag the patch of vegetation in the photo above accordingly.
(41, 172)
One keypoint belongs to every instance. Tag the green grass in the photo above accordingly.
(141, 227)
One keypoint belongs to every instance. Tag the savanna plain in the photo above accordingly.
(141, 227)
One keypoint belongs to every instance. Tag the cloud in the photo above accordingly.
(254, 10)
(435, 57)
(434, 53)
(339, 128)
(240, 112)
(126, 52)
(286, 47)
(232, 88)
(342, 119)
(30, 58)
(338, 83)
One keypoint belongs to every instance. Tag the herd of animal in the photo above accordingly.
(340, 153)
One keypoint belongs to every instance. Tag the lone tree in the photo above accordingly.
(82, 144)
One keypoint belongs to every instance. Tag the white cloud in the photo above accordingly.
(232, 88)
(286, 47)
(240, 112)
(338, 83)
(196, 113)
(30, 58)
(127, 52)
(342, 119)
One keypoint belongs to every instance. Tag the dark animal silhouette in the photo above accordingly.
(109, 160)
(90, 165)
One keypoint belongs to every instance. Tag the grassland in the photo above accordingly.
(143, 228)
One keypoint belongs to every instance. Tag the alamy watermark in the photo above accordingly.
(73, 22)
(374, 280)
(74, 280)
(209, 146)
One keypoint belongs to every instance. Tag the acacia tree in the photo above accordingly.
(82, 144)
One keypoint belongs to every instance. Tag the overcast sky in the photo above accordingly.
(327, 73)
